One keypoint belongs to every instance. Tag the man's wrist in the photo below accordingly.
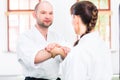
(52, 56)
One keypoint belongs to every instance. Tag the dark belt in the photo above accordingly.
(32, 78)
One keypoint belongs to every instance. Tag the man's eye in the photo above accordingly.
(51, 13)
(42, 12)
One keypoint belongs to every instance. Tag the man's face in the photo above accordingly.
(44, 15)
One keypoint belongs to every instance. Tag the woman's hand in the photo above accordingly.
(51, 46)
(56, 49)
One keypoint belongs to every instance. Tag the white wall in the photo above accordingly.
(115, 34)
(115, 23)
(62, 18)
(3, 26)
(9, 65)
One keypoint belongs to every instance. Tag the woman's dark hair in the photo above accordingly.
(87, 11)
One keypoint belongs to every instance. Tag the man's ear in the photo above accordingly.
(34, 14)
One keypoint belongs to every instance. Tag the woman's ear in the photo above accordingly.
(77, 24)
(77, 19)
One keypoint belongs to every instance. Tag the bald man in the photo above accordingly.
(39, 64)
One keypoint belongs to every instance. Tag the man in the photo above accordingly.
(35, 50)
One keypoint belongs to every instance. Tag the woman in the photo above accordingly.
(90, 58)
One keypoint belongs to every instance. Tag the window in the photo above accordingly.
(103, 24)
(19, 19)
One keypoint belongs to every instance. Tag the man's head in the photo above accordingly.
(43, 14)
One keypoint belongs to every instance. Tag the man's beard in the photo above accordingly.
(44, 25)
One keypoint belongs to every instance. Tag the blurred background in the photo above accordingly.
(16, 17)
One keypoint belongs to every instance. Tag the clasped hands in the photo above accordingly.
(56, 49)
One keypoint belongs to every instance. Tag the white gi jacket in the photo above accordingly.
(89, 60)
(29, 44)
